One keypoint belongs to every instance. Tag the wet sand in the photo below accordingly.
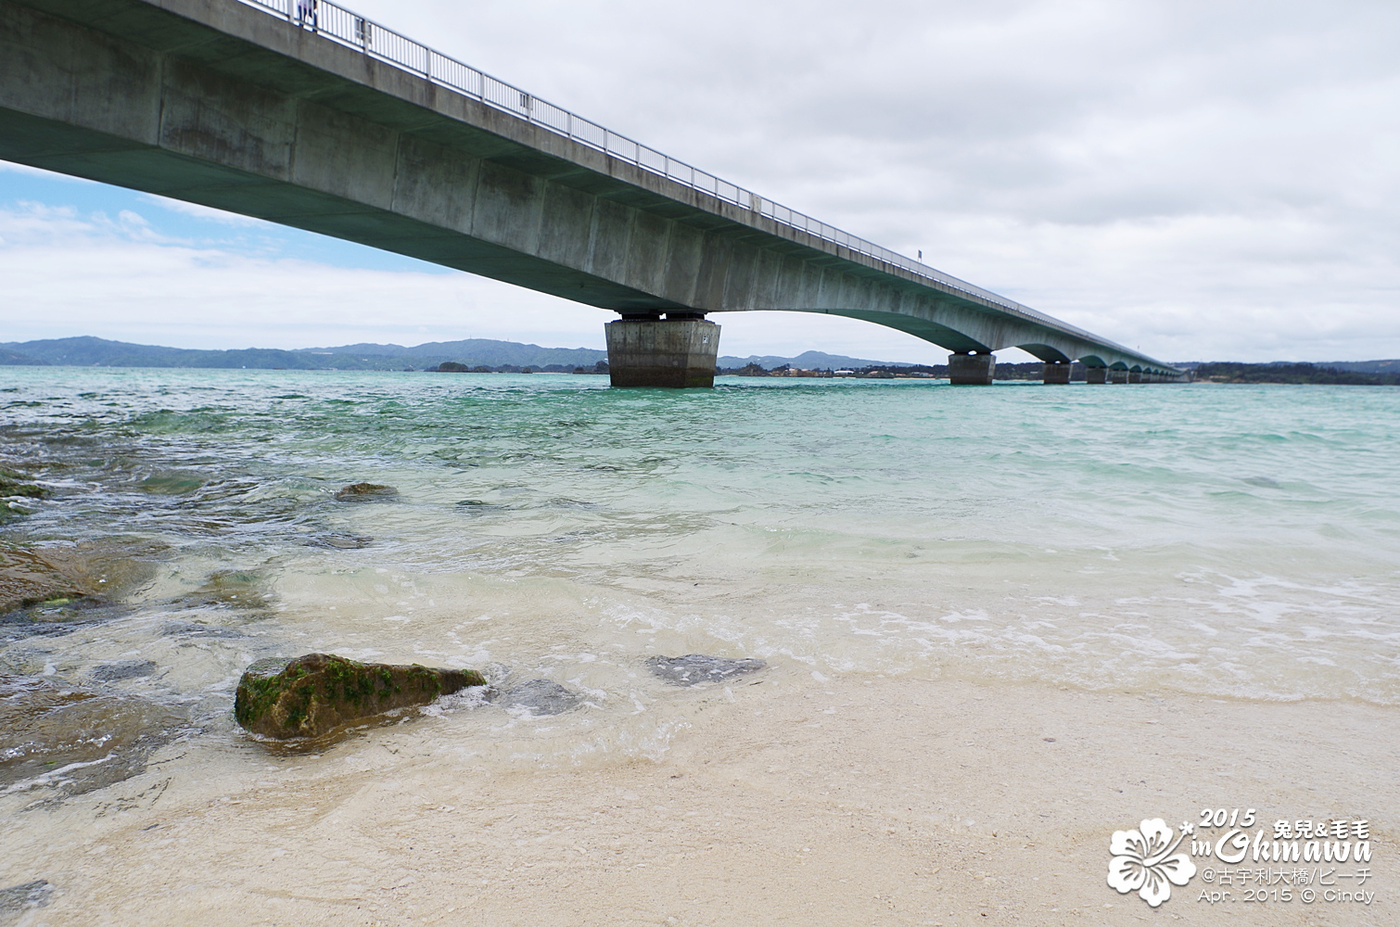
(789, 800)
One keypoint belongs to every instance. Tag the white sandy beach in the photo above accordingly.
(788, 801)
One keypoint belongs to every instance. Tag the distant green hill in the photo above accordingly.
(16, 359)
(98, 352)
(474, 352)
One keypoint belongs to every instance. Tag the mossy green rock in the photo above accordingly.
(319, 693)
(363, 492)
(13, 484)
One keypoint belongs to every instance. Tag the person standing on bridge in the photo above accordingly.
(306, 12)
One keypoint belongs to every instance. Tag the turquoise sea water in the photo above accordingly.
(1227, 541)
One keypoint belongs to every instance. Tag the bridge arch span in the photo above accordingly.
(925, 329)
(1047, 353)
(961, 329)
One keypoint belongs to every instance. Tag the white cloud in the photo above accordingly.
(69, 274)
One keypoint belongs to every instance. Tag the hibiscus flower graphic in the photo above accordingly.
(1143, 862)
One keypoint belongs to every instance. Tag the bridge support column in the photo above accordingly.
(971, 369)
(1134, 376)
(1056, 372)
(1118, 376)
(676, 353)
(1097, 375)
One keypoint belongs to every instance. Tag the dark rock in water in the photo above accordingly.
(341, 541)
(695, 668)
(364, 492)
(541, 697)
(52, 620)
(319, 693)
(197, 629)
(171, 484)
(9, 510)
(123, 669)
(29, 578)
(14, 484)
(74, 739)
(229, 589)
(92, 573)
(20, 898)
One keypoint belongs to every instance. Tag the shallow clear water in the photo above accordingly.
(1231, 541)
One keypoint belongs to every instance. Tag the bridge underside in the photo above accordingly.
(216, 103)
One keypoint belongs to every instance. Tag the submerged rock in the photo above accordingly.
(540, 697)
(171, 484)
(363, 492)
(74, 739)
(319, 693)
(13, 484)
(28, 578)
(695, 668)
(20, 898)
(479, 505)
(16, 486)
(180, 628)
(341, 541)
(229, 589)
(123, 669)
(89, 573)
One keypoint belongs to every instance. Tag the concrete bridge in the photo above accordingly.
(328, 122)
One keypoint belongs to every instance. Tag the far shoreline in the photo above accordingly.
(494, 356)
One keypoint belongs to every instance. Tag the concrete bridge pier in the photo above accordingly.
(1117, 376)
(1096, 375)
(1134, 376)
(676, 352)
(968, 369)
(1056, 372)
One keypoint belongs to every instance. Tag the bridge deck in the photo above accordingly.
(338, 131)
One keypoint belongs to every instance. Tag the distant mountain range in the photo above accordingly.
(483, 352)
(473, 352)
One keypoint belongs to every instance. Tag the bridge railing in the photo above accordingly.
(346, 27)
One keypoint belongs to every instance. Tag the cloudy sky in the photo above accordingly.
(1203, 180)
